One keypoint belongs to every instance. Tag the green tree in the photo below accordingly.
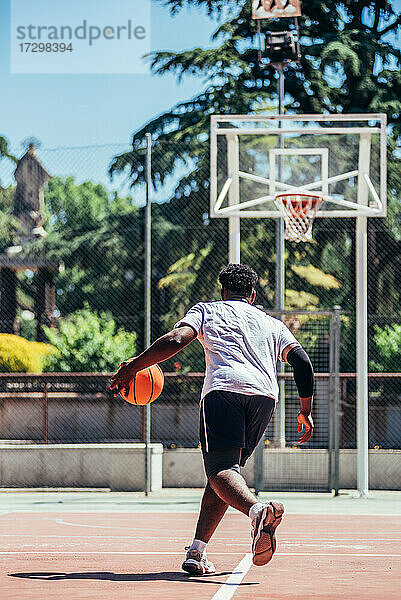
(348, 65)
(8, 224)
(97, 236)
(89, 342)
(5, 151)
(387, 340)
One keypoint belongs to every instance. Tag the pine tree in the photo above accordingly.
(348, 65)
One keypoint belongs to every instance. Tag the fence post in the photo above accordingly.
(46, 413)
(148, 299)
(331, 404)
(337, 391)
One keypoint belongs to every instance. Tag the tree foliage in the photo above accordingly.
(388, 344)
(8, 224)
(5, 151)
(87, 341)
(97, 236)
(348, 65)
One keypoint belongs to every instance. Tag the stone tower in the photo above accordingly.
(29, 196)
(28, 207)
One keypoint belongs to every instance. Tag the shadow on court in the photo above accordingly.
(109, 576)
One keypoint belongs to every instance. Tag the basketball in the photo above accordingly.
(145, 387)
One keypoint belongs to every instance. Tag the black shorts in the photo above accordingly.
(232, 420)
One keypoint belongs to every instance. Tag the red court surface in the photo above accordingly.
(74, 556)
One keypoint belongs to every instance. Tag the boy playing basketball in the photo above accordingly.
(242, 345)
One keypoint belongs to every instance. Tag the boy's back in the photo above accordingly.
(242, 345)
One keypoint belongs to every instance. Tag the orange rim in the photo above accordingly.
(309, 202)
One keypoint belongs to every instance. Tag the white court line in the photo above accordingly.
(131, 552)
(61, 522)
(229, 587)
(89, 552)
(31, 509)
(230, 540)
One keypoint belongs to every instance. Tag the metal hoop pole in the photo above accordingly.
(362, 385)
(148, 298)
(280, 259)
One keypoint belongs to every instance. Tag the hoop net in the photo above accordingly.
(299, 212)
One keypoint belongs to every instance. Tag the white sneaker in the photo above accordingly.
(197, 564)
(263, 532)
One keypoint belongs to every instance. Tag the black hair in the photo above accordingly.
(240, 279)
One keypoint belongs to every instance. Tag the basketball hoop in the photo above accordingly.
(299, 212)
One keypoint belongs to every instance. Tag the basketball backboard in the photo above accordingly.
(256, 157)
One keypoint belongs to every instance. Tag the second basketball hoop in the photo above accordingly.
(299, 212)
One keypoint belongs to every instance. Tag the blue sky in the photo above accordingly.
(86, 110)
(74, 110)
(93, 110)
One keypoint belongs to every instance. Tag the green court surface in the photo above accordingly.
(188, 500)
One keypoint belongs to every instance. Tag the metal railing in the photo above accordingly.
(78, 407)
(46, 389)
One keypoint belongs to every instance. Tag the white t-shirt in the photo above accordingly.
(241, 343)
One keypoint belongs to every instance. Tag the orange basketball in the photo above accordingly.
(145, 387)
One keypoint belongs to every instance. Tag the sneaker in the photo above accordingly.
(196, 564)
(263, 532)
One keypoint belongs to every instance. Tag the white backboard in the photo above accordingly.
(256, 157)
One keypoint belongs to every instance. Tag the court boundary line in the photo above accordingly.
(154, 553)
(81, 510)
(61, 521)
(230, 586)
(168, 536)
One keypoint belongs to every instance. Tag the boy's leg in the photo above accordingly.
(212, 510)
(240, 420)
(225, 487)
(231, 487)
(223, 473)
(249, 417)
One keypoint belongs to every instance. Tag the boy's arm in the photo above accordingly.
(304, 379)
(163, 348)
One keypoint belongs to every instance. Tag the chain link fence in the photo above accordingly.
(80, 288)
